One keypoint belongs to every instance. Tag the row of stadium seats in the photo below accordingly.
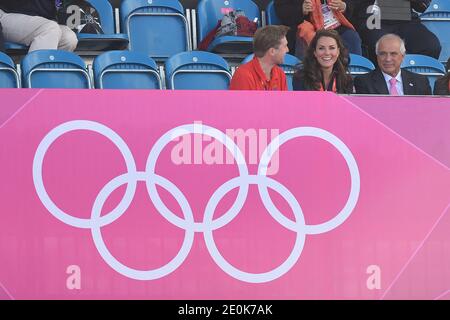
(125, 69)
(115, 70)
(162, 28)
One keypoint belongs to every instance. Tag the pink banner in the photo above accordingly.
(222, 195)
(423, 121)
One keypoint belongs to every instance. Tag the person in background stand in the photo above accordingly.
(442, 85)
(418, 39)
(325, 66)
(305, 17)
(2, 42)
(33, 23)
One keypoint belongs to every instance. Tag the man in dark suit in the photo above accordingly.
(389, 78)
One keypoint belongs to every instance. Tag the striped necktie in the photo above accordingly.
(393, 89)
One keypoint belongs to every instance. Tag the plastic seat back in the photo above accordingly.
(157, 28)
(126, 70)
(54, 69)
(197, 70)
(8, 74)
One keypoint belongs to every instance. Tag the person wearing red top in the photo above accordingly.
(263, 72)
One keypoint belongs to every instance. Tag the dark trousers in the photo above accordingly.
(418, 39)
(2, 44)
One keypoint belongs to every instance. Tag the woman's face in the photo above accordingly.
(327, 52)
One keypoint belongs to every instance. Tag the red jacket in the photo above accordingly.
(250, 76)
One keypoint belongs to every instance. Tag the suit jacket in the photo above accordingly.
(374, 83)
(441, 86)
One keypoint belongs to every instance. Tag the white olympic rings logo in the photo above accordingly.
(243, 181)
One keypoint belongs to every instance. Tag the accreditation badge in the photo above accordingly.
(329, 19)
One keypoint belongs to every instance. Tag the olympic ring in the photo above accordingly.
(208, 225)
(341, 147)
(39, 183)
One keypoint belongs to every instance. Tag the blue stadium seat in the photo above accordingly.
(209, 12)
(437, 19)
(15, 47)
(439, 5)
(126, 70)
(425, 65)
(8, 74)
(271, 16)
(107, 41)
(54, 69)
(359, 65)
(157, 28)
(197, 70)
(290, 65)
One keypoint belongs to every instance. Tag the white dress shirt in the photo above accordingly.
(399, 83)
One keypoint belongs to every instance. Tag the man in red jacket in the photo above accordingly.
(32, 23)
(263, 72)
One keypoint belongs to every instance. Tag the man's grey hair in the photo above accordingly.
(391, 36)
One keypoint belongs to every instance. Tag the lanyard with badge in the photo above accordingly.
(333, 87)
(329, 19)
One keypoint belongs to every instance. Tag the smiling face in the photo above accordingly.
(326, 52)
(389, 56)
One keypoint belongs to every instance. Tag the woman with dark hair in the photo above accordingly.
(325, 65)
(442, 85)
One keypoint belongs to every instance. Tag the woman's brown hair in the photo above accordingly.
(311, 71)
